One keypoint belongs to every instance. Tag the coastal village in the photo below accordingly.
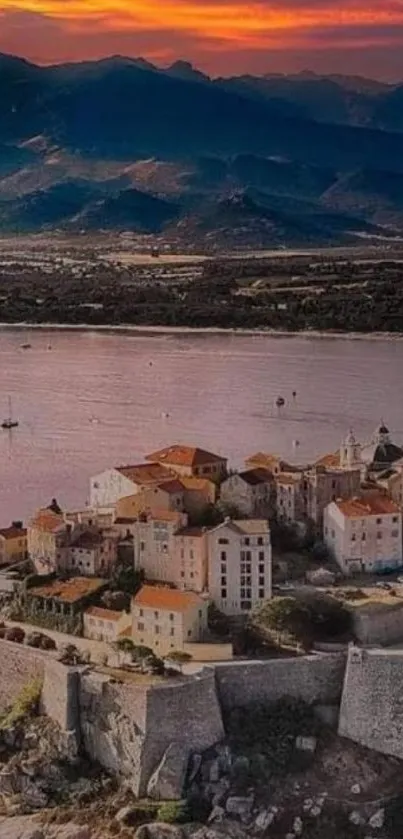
(169, 549)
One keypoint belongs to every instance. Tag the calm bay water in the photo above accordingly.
(96, 400)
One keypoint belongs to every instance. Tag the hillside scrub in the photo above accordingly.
(302, 620)
(25, 705)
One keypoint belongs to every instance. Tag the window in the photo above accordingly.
(246, 605)
(363, 537)
(172, 617)
(140, 627)
(156, 614)
(247, 541)
(395, 533)
(224, 581)
(223, 541)
(182, 573)
(260, 540)
(379, 521)
(223, 568)
(261, 581)
(379, 534)
(261, 594)
(223, 556)
(333, 484)
(141, 612)
(353, 538)
(223, 594)
(189, 633)
(332, 534)
(182, 554)
(142, 546)
(200, 613)
(261, 556)
(248, 556)
(172, 632)
(395, 519)
(191, 575)
(261, 568)
(191, 554)
(157, 630)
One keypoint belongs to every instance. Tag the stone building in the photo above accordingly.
(364, 533)
(13, 544)
(251, 493)
(188, 461)
(93, 553)
(190, 559)
(165, 619)
(48, 538)
(105, 624)
(239, 565)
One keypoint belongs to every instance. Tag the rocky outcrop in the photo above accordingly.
(168, 780)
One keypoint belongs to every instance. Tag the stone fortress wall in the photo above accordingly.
(130, 728)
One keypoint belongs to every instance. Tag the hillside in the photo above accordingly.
(119, 144)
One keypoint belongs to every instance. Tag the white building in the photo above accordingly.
(239, 573)
(105, 624)
(364, 534)
(93, 553)
(250, 492)
(113, 484)
(165, 619)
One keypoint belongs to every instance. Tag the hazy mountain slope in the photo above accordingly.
(372, 195)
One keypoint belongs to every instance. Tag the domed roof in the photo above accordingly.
(382, 429)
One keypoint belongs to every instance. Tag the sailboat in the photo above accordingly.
(9, 422)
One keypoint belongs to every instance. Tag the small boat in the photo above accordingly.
(26, 346)
(9, 422)
(280, 402)
(294, 394)
(295, 443)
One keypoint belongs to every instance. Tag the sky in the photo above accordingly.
(222, 37)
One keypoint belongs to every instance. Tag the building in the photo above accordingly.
(373, 457)
(154, 545)
(322, 485)
(190, 461)
(13, 544)
(271, 462)
(391, 481)
(105, 624)
(93, 553)
(290, 497)
(364, 533)
(239, 572)
(190, 559)
(48, 538)
(251, 493)
(165, 619)
(65, 598)
(112, 484)
(186, 494)
(199, 495)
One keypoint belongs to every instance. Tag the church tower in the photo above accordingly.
(350, 453)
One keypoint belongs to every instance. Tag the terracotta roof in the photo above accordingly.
(270, 461)
(194, 532)
(185, 456)
(171, 487)
(330, 461)
(252, 527)
(256, 476)
(374, 504)
(105, 614)
(13, 532)
(47, 521)
(69, 591)
(167, 599)
(145, 473)
(191, 482)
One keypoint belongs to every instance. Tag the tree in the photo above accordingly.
(124, 645)
(179, 657)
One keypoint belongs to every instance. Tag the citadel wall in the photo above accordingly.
(18, 666)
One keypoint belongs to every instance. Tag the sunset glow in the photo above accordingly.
(220, 37)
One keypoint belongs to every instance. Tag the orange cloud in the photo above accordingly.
(197, 28)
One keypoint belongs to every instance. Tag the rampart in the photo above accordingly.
(378, 623)
(316, 679)
(18, 665)
(371, 711)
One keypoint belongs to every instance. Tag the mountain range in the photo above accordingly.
(120, 144)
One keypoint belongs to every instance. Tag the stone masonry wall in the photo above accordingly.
(371, 711)
(19, 665)
(313, 678)
(60, 696)
(382, 625)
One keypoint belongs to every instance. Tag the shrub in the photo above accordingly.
(15, 633)
(173, 812)
(25, 705)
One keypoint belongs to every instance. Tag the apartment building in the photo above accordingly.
(364, 533)
(166, 619)
(239, 565)
(251, 493)
(188, 461)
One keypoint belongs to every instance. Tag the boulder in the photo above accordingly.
(20, 827)
(264, 820)
(240, 806)
(377, 820)
(72, 831)
(168, 780)
(305, 744)
(297, 826)
(355, 789)
(217, 814)
(356, 818)
(159, 830)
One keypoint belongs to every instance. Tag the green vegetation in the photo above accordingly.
(302, 620)
(25, 705)
(291, 294)
(263, 738)
(173, 812)
(178, 657)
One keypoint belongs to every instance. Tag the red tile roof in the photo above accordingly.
(167, 599)
(69, 591)
(330, 461)
(105, 614)
(185, 456)
(374, 504)
(47, 521)
(171, 487)
(13, 532)
(145, 473)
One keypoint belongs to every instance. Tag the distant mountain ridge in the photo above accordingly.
(121, 144)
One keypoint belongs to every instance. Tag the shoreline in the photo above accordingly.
(201, 330)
